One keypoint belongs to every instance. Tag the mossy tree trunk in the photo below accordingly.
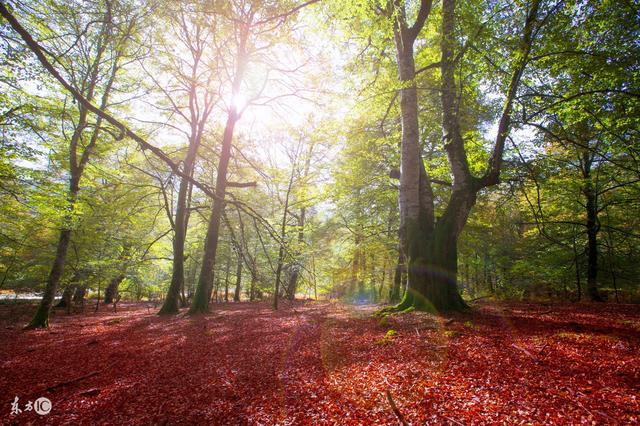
(430, 246)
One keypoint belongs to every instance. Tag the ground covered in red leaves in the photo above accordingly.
(326, 363)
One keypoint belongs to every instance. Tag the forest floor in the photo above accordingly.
(326, 363)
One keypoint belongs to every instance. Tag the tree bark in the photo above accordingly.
(292, 285)
(110, 293)
(226, 281)
(431, 247)
(236, 293)
(395, 293)
(593, 227)
(67, 295)
(41, 317)
(252, 288)
(70, 291)
(78, 295)
(198, 117)
(430, 253)
(205, 281)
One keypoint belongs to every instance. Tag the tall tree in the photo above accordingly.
(430, 245)
(96, 56)
(193, 79)
(248, 23)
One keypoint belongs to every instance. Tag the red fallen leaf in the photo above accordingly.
(321, 365)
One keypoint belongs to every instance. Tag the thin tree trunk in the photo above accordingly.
(395, 292)
(592, 234)
(236, 293)
(315, 283)
(226, 281)
(198, 115)
(283, 236)
(176, 288)
(610, 252)
(41, 317)
(293, 280)
(205, 281)
(383, 279)
(252, 288)
(78, 295)
(67, 295)
(214, 297)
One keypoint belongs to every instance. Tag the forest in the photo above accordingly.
(320, 212)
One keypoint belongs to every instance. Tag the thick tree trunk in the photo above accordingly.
(430, 247)
(432, 275)
(41, 318)
(199, 109)
(77, 160)
(68, 295)
(292, 285)
(172, 301)
(111, 291)
(431, 256)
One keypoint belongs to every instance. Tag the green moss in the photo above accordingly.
(471, 325)
(388, 338)
(407, 310)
